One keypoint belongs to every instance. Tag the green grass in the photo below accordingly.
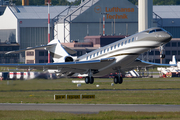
(132, 91)
(152, 91)
(109, 115)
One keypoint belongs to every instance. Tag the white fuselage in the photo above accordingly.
(125, 51)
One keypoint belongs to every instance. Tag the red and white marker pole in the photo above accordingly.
(104, 23)
(48, 30)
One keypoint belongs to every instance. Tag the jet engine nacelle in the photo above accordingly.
(66, 59)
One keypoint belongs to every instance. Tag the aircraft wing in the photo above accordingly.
(66, 67)
(141, 63)
(145, 63)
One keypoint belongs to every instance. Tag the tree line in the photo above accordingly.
(77, 2)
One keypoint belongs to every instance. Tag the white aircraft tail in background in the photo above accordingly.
(173, 60)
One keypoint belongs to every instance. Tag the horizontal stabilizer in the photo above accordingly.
(30, 48)
(69, 50)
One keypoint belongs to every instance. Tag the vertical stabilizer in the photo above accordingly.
(57, 51)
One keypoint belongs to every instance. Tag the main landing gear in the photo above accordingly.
(118, 79)
(89, 78)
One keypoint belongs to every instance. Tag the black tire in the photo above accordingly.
(87, 80)
(91, 80)
(116, 80)
(120, 80)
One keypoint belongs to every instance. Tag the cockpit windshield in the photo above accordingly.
(156, 30)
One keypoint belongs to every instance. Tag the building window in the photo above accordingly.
(15, 48)
(41, 53)
(168, 44)
(178, 52)
(79, 53)
(1, 48)
(174, 52)
(30, 61)
(30, 53)
(178, 44)
(168, 52)
(41, 61)
(46, 53)
(174, 44)
(167, 61)
(151, 53)
(157, 53)
(157, 60)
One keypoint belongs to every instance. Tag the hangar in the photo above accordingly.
(27, 25)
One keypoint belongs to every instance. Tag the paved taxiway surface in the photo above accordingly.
(90, 108)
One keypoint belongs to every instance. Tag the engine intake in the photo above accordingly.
(69, 59)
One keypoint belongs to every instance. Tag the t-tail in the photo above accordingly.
(58, 52)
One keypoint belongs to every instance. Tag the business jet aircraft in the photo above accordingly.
(118, 57)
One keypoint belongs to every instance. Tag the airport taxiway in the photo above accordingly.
(90, 108)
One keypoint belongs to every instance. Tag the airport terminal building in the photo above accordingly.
(26, 26)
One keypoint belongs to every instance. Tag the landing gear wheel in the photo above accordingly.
(116, 79)
(87, 80)
(91, 80)
(121, 80)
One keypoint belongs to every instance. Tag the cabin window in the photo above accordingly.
(108, 50)
(119, 45)
(129, 41)
(101, 52)
(132, 39)
(122, 44)
(125, 42)
(87, 58)
(104, 50)
(94, 55)
(97, 53)
(115, 47)
(111, 47)
(90, 56)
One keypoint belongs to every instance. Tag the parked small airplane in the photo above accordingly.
(117, 57)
